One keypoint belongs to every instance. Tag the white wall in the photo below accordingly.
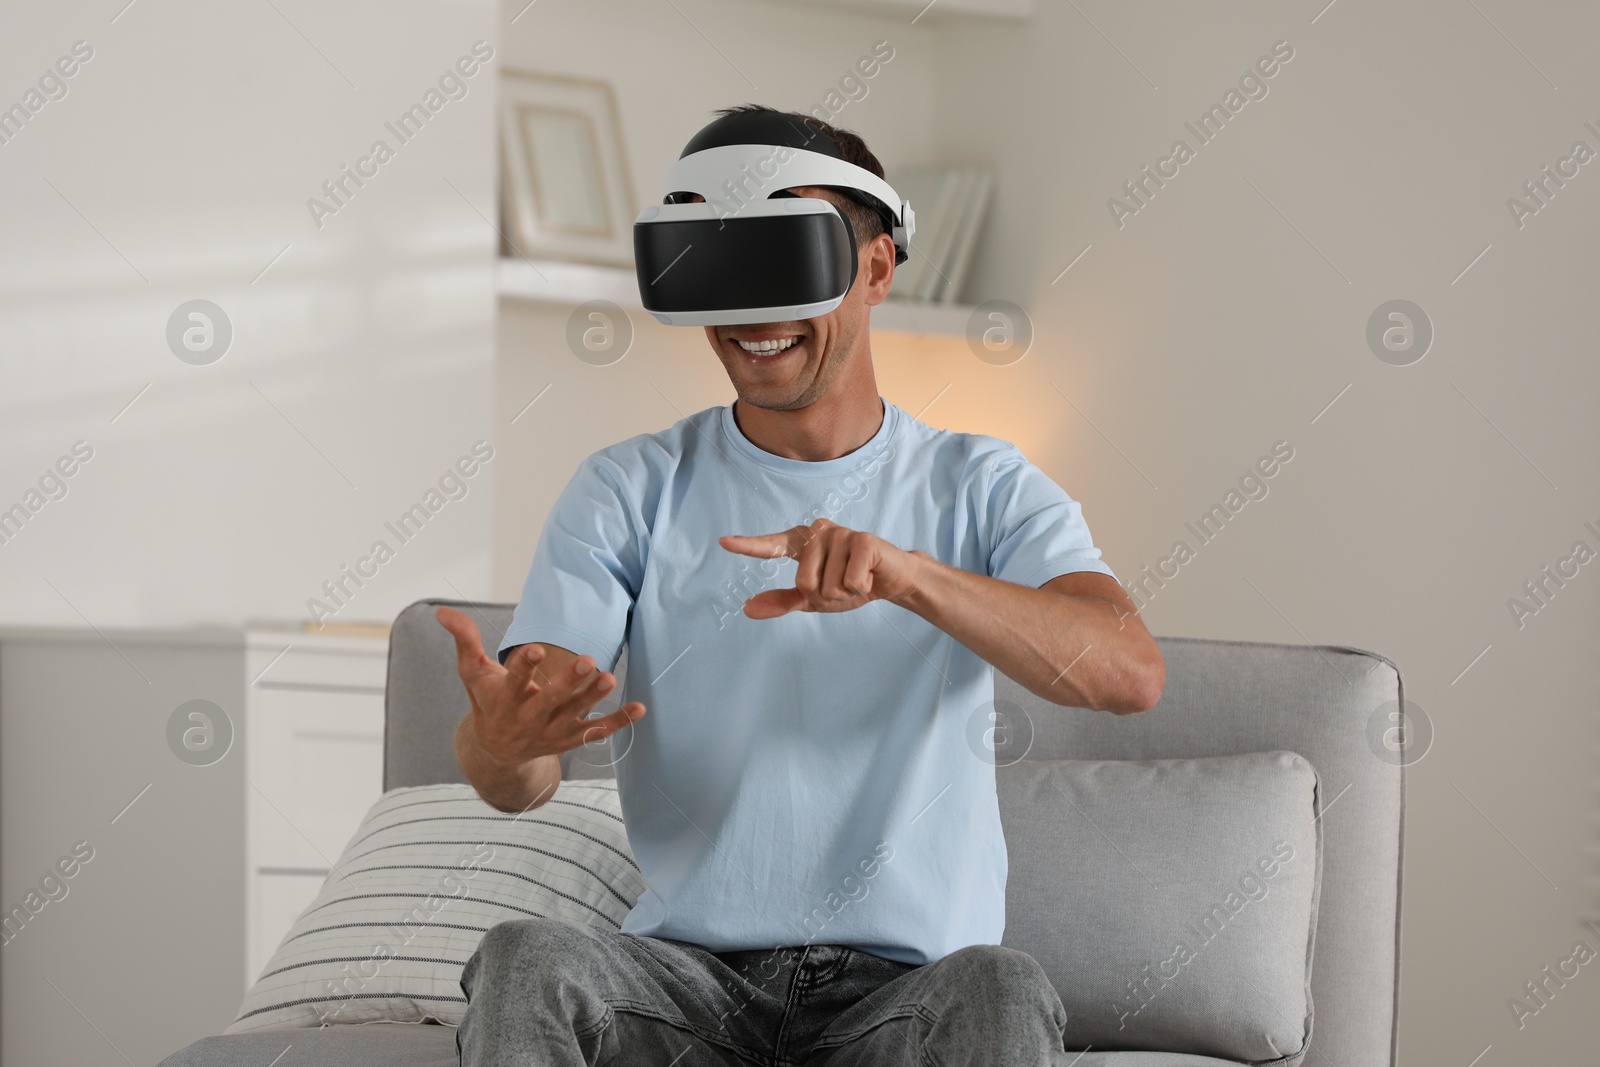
(178, 166)
(360, 362)
(1209, 327)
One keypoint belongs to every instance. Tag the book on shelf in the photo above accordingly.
(950, 203)
(965, 241)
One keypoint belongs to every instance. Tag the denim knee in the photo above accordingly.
(535, 988)
(997, 964)
(1007, 975)
(527, 957)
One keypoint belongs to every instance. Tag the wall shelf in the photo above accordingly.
(554, 282)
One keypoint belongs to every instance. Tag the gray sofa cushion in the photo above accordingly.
(417, 1045)
(365, 1045)
(1171, 902)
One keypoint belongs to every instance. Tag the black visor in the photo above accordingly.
(778, 260)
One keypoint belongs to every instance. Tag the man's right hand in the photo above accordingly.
(525, 714)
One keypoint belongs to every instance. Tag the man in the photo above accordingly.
(820, 838)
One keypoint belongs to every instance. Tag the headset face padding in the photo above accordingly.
(744, 254)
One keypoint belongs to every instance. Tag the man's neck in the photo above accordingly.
(830, 428)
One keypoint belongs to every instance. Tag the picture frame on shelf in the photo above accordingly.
(566, 193)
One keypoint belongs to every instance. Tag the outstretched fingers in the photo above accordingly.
(470, 657)
(589, 731)
(577, 687)
(522, 668)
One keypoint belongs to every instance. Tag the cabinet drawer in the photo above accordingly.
(315, 766)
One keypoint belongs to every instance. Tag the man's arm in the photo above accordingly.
(1077, 640)
(525, 714)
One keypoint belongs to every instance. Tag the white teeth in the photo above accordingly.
(767, 348)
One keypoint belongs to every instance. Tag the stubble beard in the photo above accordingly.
(831, 364)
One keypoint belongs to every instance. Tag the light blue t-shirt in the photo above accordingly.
(814, 778)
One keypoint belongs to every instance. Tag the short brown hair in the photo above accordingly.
(865, 222)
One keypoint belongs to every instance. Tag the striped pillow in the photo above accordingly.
(428, 872)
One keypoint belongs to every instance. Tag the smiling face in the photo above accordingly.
(784, 366)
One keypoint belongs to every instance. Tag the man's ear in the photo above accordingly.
(877, 269)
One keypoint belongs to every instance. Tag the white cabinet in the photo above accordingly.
(314, 765)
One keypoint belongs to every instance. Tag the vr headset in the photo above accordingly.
(751, 251)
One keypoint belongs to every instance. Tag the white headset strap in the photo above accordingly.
(705, 172)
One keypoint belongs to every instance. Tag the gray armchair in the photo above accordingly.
(1222, 698)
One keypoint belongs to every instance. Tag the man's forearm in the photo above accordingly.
(1077, 651)
(505, 787)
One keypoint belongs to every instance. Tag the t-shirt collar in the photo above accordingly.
(807, 468)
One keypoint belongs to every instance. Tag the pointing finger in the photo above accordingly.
(768, 546)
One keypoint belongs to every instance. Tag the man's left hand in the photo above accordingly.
(840, 569)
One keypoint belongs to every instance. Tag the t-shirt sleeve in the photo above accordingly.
(1036, 531)
(586, 571)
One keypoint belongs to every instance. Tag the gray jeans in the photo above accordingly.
(556, 994)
